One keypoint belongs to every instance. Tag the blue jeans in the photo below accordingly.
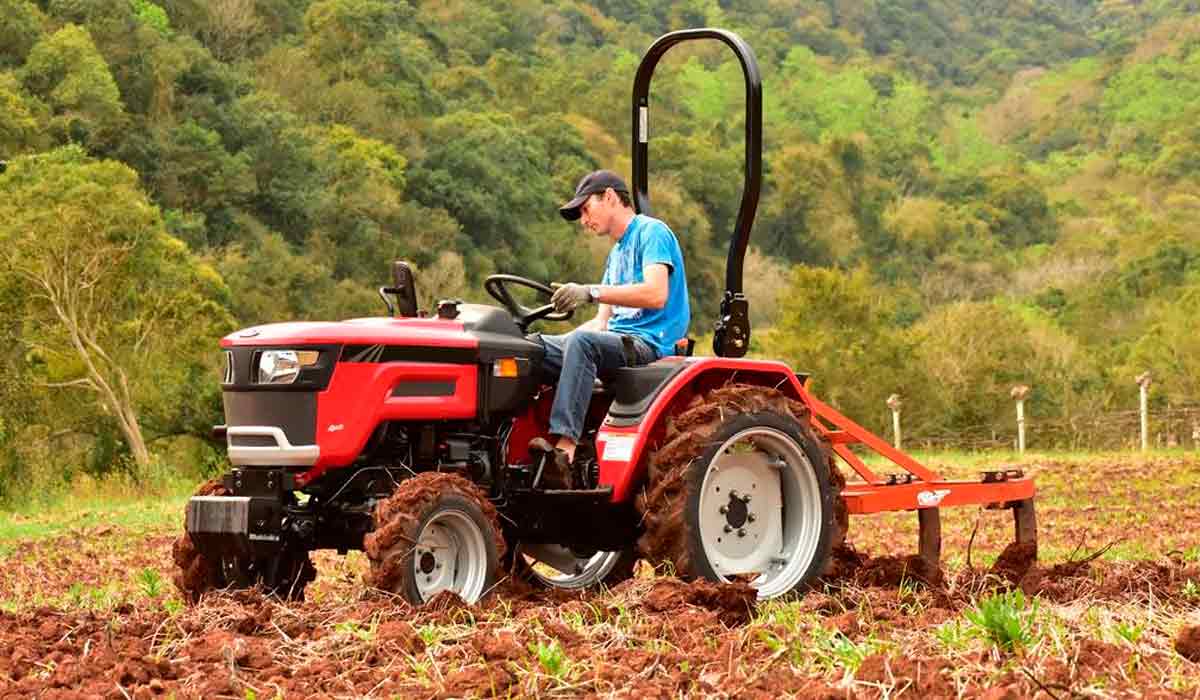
(572, 362)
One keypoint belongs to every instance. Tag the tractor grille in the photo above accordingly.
(253, 441)
(227, 377)
(293, 412)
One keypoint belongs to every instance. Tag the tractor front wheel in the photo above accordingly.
(437, 532)
(741, 491)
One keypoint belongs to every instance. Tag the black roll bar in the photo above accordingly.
(732, 336)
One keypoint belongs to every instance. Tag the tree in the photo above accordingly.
(21, 118)
(838, 327)
(1170, 347)
(20, 28)
(67, 71)
(114, 306)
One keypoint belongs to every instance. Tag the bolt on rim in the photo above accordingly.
(451, 555)
(760, 511)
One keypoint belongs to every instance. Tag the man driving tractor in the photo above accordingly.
(643, 308)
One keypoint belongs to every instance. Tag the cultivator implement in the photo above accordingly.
(920, 488)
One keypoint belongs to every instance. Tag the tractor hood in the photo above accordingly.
(359, 331)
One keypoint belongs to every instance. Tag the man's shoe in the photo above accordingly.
(554, 465)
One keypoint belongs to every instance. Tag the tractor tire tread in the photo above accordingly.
(398, 518)
(662, 505)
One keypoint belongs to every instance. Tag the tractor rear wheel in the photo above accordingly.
(284, 575)
(437, 532)
(557, 567)
(742, 490)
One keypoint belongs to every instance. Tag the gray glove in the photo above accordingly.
(569, 296)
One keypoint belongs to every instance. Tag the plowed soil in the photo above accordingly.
(94, 614)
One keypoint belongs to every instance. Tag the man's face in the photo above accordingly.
(597, 211)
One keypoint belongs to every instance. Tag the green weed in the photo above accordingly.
(150, 581)
(839, 651)
(432, 634)
(1190, 590)
(354, 628)
(1007, 619)
(75, 595)
(1129, 632)
(551, 658)
(953, 635)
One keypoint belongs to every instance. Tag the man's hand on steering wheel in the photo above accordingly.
(570, 296)
(497, 286)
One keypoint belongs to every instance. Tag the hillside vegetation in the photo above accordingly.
(959, 196)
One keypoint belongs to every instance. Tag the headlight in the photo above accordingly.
(283, 366)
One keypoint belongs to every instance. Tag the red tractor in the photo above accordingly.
(409, 437)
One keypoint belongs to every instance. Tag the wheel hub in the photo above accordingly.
(760, 510)
(428, 562)
(737, 510)
(741, 538)
(451, 556)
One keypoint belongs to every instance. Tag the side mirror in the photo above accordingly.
(404, 288)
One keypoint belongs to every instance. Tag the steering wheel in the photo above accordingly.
(497, 286)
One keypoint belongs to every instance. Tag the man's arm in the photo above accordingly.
(649, 294)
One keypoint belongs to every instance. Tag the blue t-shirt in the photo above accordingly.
(648, 241)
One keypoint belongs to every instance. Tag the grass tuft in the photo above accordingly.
(1007, 619)
(551, 658)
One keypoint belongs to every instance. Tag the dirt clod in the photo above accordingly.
(1015, 561)
(734, 603)
(1187, 643)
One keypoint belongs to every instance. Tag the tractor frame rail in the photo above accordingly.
(920, 488)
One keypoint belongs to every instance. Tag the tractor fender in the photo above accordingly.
(622, 446)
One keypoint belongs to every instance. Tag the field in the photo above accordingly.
(1112, 609)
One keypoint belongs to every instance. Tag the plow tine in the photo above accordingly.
(930, 538)
(1025, 521)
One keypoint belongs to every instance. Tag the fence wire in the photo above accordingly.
(1171, 427)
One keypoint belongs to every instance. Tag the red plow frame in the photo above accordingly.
(920, 488)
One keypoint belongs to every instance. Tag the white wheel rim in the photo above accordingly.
(569, 571)
(451, 555)
(774, 535)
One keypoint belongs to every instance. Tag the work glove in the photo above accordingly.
(569, 296)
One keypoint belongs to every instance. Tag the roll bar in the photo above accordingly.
(732, 332)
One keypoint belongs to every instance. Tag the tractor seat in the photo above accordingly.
(602, 387)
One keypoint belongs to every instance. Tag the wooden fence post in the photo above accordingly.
(894, 403)
(1144, 379)
(1019, 393)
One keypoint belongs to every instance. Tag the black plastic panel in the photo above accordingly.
(293, 412)
(424, 388)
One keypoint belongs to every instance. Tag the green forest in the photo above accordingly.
(958, 196)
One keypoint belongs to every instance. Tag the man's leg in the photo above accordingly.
(552, 360)
(585, 354)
